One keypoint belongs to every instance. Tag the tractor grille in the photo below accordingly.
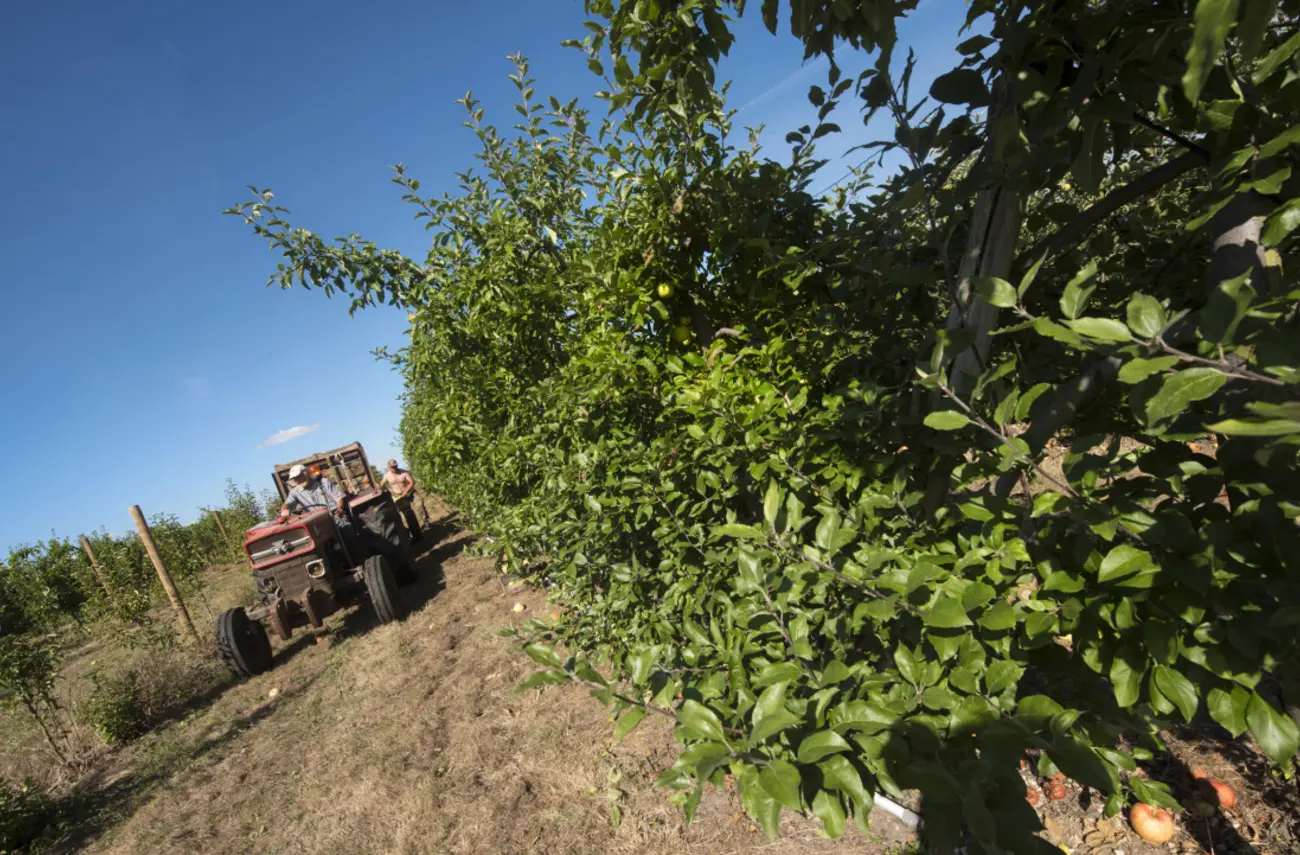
(289, 578)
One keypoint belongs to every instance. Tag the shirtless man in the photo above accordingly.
(402, 487)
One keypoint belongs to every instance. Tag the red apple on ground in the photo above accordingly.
(1154, 825)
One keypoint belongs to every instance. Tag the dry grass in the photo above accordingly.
(411, 738)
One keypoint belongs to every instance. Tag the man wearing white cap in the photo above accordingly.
(312, 494)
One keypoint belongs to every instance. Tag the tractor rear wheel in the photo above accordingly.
(242, 643)
(386, 535)
(382, 587)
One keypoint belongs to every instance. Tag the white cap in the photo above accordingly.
(297, 471)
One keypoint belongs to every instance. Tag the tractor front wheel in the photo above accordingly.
(382, 587)
(242, 643)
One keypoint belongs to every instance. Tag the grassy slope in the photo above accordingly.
(410, 738)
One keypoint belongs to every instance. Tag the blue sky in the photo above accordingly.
(146, 362)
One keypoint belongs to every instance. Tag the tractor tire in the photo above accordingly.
(382, 588)
(386, 535)
(243, 644)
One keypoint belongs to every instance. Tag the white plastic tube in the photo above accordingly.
(894, 809)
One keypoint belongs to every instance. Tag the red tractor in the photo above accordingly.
(310, 566)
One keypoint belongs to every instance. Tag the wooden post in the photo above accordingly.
(146, 537)
(216, 515)
(94, 566)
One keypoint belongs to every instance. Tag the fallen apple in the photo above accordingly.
(1219, 792)
(518, 607)
(1154, 825)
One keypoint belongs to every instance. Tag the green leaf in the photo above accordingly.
(1153, 793)
(544, 678)
(772, 503)
(772, 724)
(1075, 296)
(1039, 624)
(1102, 329)
(1280, 143)
(1001, 675)
(998, 292)
(1123, 560)
(1001, 616)
(947, 613)
(738, 530)
(1126, 672)
(751, 572)
(828, 809)
(1038, 709)
(702, 720)
(835, 672)
(827, 529)
(1182, 389)
(1146, 317)
(1211, 23)
(1089, 167)
(1051, 329)
(1268, 427)
(907, 665)
(1281, 223)
(946, 420)
(978, 817)
(628, 723)
(1275, 732)
(961, 86)
(1081, 763)
(593, 504)
(1177, 689)
(1137, 370)
(974, 45)
(759, 804)
(1274, 60)
(640, 664)
(1227, 710)
(543, 655)
(1162, 641)
(840, 774)
(821, 744)
(1228, 303)
(862, 716)
(771, 701)
(781, 781)
(777, 672)
(1257, 15)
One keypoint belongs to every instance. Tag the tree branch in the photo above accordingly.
(1192, 147)
(1077, 229)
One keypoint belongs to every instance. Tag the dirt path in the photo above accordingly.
(411, 738)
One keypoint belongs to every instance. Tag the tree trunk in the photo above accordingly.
(990, 251)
